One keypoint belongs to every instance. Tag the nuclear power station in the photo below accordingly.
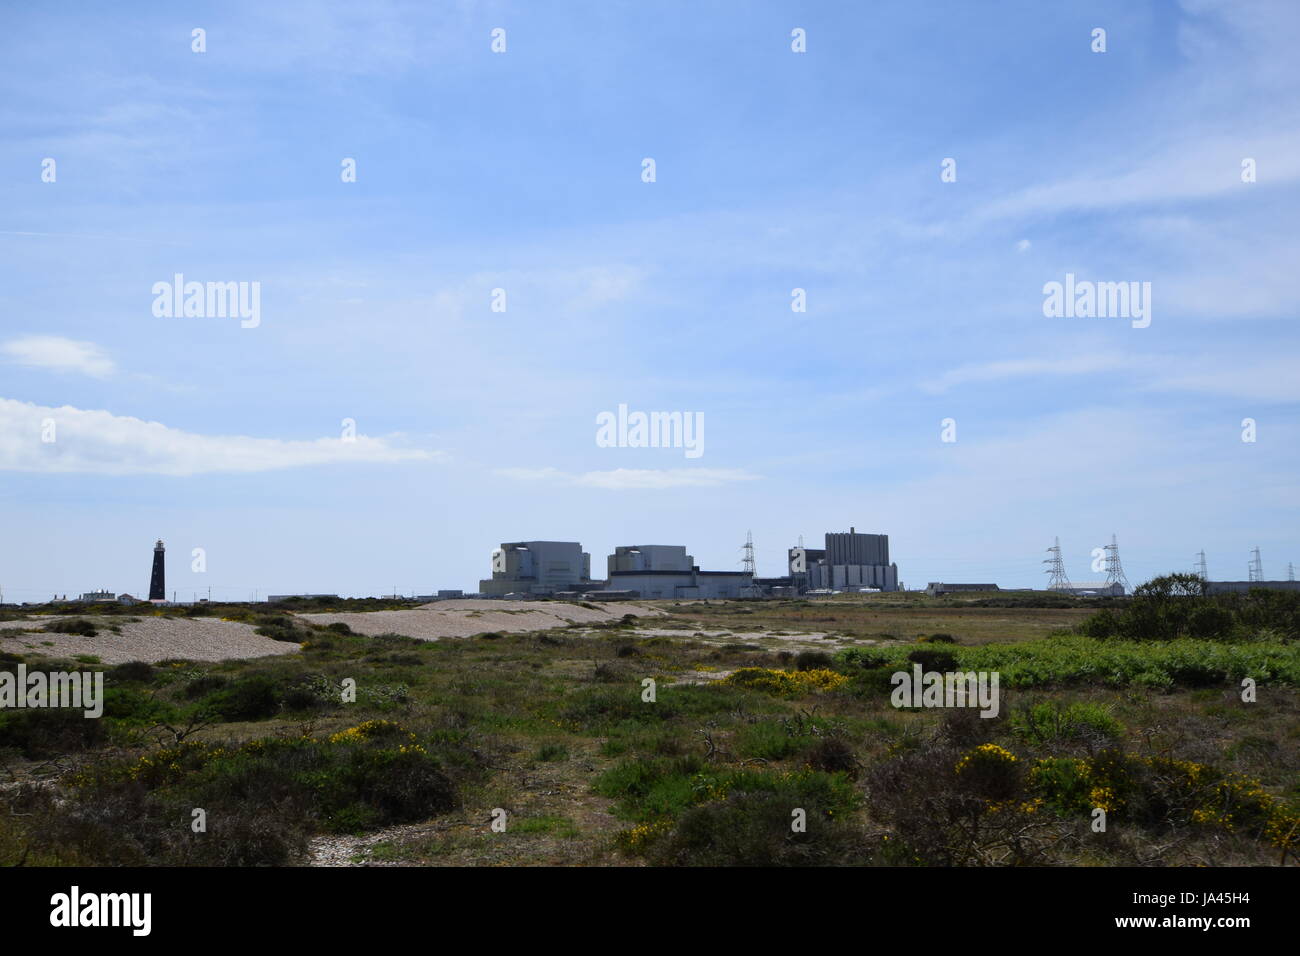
(850, 561)
(523, 569)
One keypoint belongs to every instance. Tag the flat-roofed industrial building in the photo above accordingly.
(537, 567)
(849, 561)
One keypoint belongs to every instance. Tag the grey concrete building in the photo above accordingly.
(849, 562)
(692, 584)
(649, 557)
(852, 548)
(665, 571)
(537, 568)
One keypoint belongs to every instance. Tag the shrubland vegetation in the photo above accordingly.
(1133, 707)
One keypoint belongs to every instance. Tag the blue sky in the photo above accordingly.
(522, 171)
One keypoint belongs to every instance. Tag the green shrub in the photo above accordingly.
(832, 755)
(77, 626)
(205, 685)
(1178, 606)
(932, 659)
(280, 627)
(1069, 659)
(131, 706)
(812, 661)
(49, 731)
(255, 697)
(550, 753)
(309, 693)
(1049, 722)
(756, 829)
(655, 787)
(132, 672)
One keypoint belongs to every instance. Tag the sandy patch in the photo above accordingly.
(150, 639)
(463, 618)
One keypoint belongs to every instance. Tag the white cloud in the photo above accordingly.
(60, 354)
(531, 474)
(1263, 378)
(624, 479)
(100, 442)
(1193, 169)
(1028, 367)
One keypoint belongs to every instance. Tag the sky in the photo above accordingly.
(922, 171)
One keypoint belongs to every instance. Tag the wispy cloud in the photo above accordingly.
(66, 439)
(59, 354)
(638, 479)
(1265, 378)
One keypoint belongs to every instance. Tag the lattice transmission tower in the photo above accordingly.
(1256, 566)
(747, 564)
(1058, 581)
(1201, 572)
(1114, 570)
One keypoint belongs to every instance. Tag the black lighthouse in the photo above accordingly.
(158, 581)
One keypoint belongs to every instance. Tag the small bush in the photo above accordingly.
(132, 672)
(754, 829)
(1178, 606)
(785, 683)
(812, 660)
(77, 626)
(204, 685)
(832, 755)
(932, 659)
(47, 732)
(255, 697)
(1050, 722)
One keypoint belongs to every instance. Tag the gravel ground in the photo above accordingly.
(151, 639)
(463, 618)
